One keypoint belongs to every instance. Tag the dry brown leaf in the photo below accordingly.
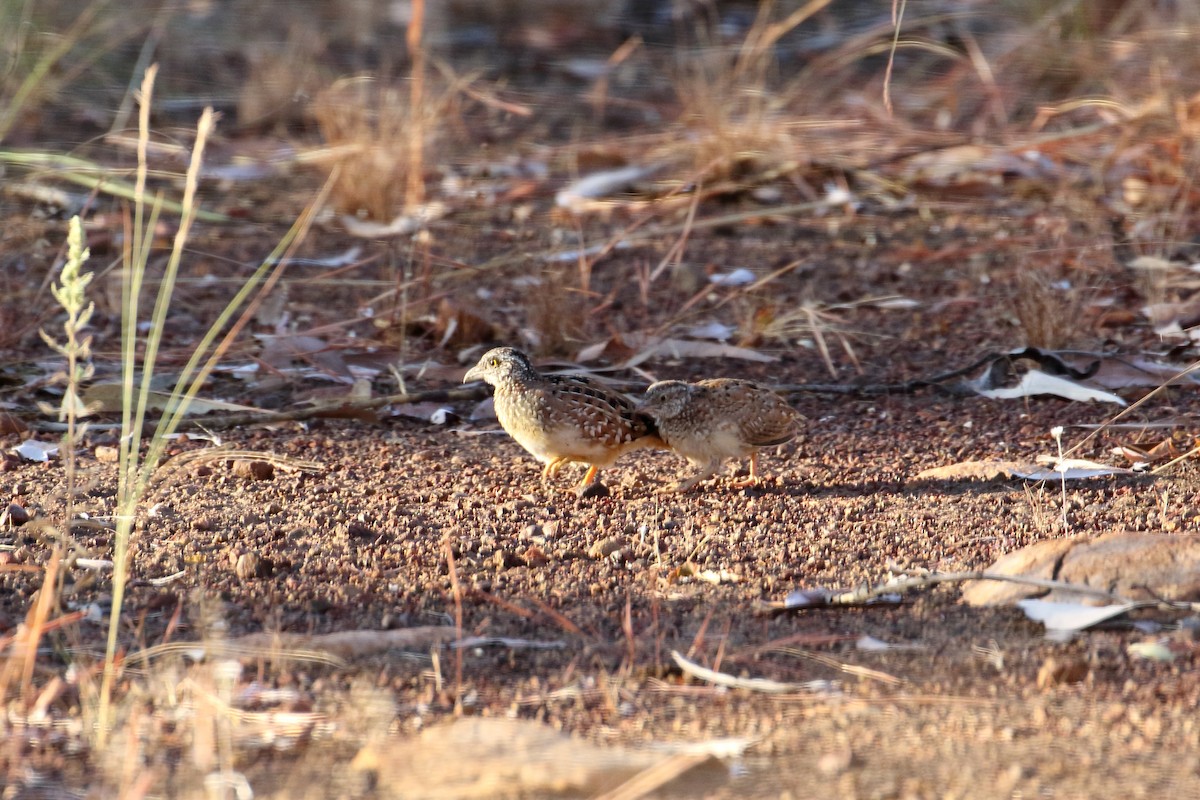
(109, 397)
(982, 470)
(280, 352)
(457, 327)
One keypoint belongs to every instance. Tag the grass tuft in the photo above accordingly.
(734, 122)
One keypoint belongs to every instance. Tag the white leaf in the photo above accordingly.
(739, 277)
(712, 330)
(1069, 469)
(804, 598)
(1151, 264)
(403, 225)
(578, 196)
(1070, 617)
(1151, 651)
(896, 303)
(1036, 382)
(33, 450)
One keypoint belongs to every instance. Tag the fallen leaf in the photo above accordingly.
(110, 397)
(457, 327)
(1035, 382)
(281, 352)
(33, 450)
(403, 225)
(479, 757)
(1071, 617)
(984, 470)
(580, 195)
(1069, 469)
(739, 277)
(648, 347)
(1151, 651)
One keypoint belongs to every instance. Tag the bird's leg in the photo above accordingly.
(552, 467)
(589, 476)
(685, 485)
(753, 480)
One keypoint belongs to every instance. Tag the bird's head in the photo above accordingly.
(665, 399)
(501, 363)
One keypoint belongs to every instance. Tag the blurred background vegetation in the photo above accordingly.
(69, 66)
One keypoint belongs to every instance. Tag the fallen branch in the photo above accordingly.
(898, 584)
(341, 407)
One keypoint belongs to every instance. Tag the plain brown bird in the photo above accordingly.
(713, 420)
(562, 418)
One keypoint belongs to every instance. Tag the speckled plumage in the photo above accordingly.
(562, 418)
(713, 420)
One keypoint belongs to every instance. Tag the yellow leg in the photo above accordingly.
(589, 476)
(552, 467)
(753, 480)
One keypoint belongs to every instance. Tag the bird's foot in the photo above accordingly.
(681, 486)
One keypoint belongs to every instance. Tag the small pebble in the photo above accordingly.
(13, 516)
(606, 547)
(246, 566)
(254, 470)
(107, 454)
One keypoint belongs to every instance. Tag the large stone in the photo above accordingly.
(494, 758)
(1135, 566)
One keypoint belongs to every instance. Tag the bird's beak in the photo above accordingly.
(472, 375)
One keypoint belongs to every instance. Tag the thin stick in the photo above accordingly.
(414, 193)
(456, 589)
(897, 19)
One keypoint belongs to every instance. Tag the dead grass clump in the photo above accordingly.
(736, 116)
(555, 312)
(370, 129)
(280, 78)
(1048, 315)
(365, 125)
(1066, 62)
(806, 324)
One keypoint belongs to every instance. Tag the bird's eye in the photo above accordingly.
(495, 362)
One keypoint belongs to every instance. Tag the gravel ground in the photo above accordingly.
(612, 583)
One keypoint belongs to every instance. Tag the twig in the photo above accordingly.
(849, 669)
(764, 685)
(1049, 361)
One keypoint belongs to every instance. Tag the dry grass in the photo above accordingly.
(807, 324)
(49, 49)
(366, 126)
(279, 80)
(380, 143)
(739, 117)
(735, 112)
(1048, 316)
(556, 312)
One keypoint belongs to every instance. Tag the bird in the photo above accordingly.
(712, 420)
(562, 418)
